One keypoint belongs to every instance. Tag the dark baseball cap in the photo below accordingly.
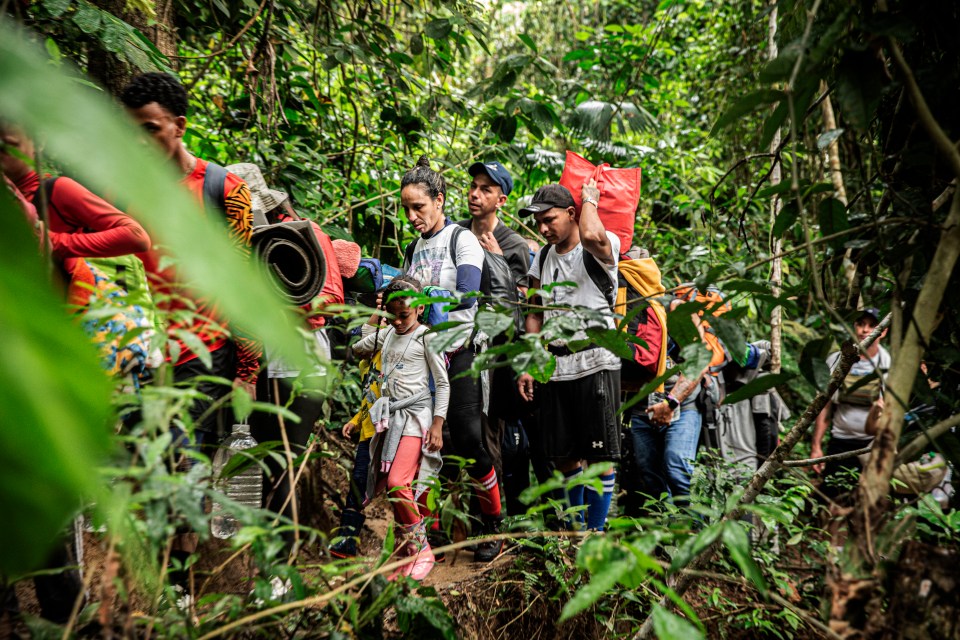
(547, 197)
(869, 312)
(497, 173)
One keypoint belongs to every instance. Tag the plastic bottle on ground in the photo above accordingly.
(245, 487)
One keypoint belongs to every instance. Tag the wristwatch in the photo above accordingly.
(591, 201)
(672, 402)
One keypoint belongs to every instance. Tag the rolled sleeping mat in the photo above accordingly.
(294, 257)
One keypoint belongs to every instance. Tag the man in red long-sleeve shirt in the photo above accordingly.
(80, 223)
(158, 103)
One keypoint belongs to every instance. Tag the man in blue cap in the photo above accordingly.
(488, 193)
(489, 188)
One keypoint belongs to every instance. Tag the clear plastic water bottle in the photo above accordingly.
(245, 487)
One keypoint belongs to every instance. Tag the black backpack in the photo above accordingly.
(598, 275)
(497, 285)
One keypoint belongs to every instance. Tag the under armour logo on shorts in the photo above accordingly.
(598, 444)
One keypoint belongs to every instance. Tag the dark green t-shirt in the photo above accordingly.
(514, 247)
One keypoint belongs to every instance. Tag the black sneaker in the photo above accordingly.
(344, 548)
(488, 550)
(347, 535)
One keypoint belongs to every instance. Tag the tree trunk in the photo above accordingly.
(112, 72)
(831, 161)
(776, 245)
(862, 560)
(857, 589)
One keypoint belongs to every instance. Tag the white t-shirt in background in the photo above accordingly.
(849, 420)
(569, 267)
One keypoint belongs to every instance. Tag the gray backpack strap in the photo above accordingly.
(600, 277)
(542, 260)
(408, 255)
(454, 238)
(214, 179)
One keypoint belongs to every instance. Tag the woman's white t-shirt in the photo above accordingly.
(432, 264)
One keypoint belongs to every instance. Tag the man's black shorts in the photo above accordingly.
(579, 418)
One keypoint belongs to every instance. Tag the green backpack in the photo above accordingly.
(127, 271)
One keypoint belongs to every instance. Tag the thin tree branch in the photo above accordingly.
(233, 40)
(809, 462)
(942, 199)
(736, 165)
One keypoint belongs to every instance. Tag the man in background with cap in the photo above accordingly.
(578, 406)
(489, 188)
(488, 193)
(846, 413)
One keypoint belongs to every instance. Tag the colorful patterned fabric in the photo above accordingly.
(121, 331)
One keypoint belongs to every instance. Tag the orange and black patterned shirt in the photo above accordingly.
(205, 322)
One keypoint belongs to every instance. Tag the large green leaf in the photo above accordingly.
(859, 87)
(81, 128)
(493, 323)
(812, 362)
(425, 617)
(833, 219)
(745, 105)
(696, 357)
(54, 402)
(785, 219)
(670, 626)
(608, 563)
(738, 544)
(505, 126)
(731, 335)
(439, 28)
(680, 324)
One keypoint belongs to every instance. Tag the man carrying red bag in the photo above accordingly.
(578, 406)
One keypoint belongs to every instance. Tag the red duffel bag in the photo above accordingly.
(619, 194)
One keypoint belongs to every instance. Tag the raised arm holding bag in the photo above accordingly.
(619, 194)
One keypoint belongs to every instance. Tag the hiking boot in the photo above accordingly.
(488, 550)
(347, 535)
(414, 544)
(420, 547)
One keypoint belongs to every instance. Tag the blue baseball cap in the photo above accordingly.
(497, 172)
(869, 312)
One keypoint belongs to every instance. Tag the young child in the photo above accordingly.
(347, 536)
(408, 418)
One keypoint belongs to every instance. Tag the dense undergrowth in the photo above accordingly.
(335, 100)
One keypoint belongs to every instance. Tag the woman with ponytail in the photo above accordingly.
(440, 259)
